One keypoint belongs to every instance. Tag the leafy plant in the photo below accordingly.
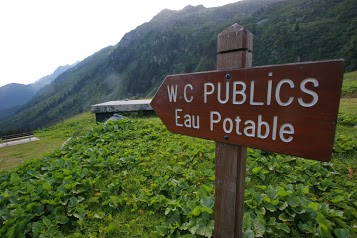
(132, 178)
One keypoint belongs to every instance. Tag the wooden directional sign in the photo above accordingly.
(290, 109)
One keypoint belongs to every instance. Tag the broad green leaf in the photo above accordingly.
(46, 186)
(266, 199)
(262, 187)
(342, 233)
(39, 209)
(196, 211)
(162, 230)
(11, 232)
(31, 206)
(59, 210)
(324, 231)
(307, 228)
(80, 213)
(261, 211)
(188, 225)
(284, 218)
(259, 228)
(73, 202)
(324, 208)
(282, 192)
(248, 234)
(37, 229)
(322, 221)
(339, 222)
(299, 209)
(337, 199)
(291, 212)
(282, 206)
(47, 222)
(207, 209)
(94, 200)
(271, 193)
(250, 203)
(258, 198)
(272, 221)
(247, 220)
(5, 194)
(61, 219)
(80, 199)
(193, 229)
(283, 227)
(270, 207)
(294, 201)
(15, 178)
(169, 209)
(335, 213)
(256, 170)
(207, 201)
(188, 236)
(99, 215)
(206, 230)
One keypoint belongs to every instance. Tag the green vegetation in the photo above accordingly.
(346, 135)
(305, 30)
(50, 139)
(132, 178)
(349, 86)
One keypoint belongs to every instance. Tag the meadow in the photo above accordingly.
(133, 178)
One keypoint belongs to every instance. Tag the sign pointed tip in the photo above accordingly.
(237, 26)
(234, 38)
(233, 28)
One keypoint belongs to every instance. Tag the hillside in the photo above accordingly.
(13, 96)
(185, 41)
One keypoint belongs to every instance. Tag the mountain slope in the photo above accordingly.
(49, 78)
(14, 95)
(306, 30)
(65, 96)
(185, 41)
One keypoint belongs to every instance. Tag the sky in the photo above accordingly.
(37, 36)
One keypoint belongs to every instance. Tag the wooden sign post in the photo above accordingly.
(290, 109)
(234, 47)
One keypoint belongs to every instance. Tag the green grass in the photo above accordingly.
(349, 86)
(346, 136)
(349, 106)
(50, 139)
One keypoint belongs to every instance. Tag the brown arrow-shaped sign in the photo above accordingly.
(290, 109)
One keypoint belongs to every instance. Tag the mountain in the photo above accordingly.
(285, 31)
(14, 95)
(305, 30)
(49, 78)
